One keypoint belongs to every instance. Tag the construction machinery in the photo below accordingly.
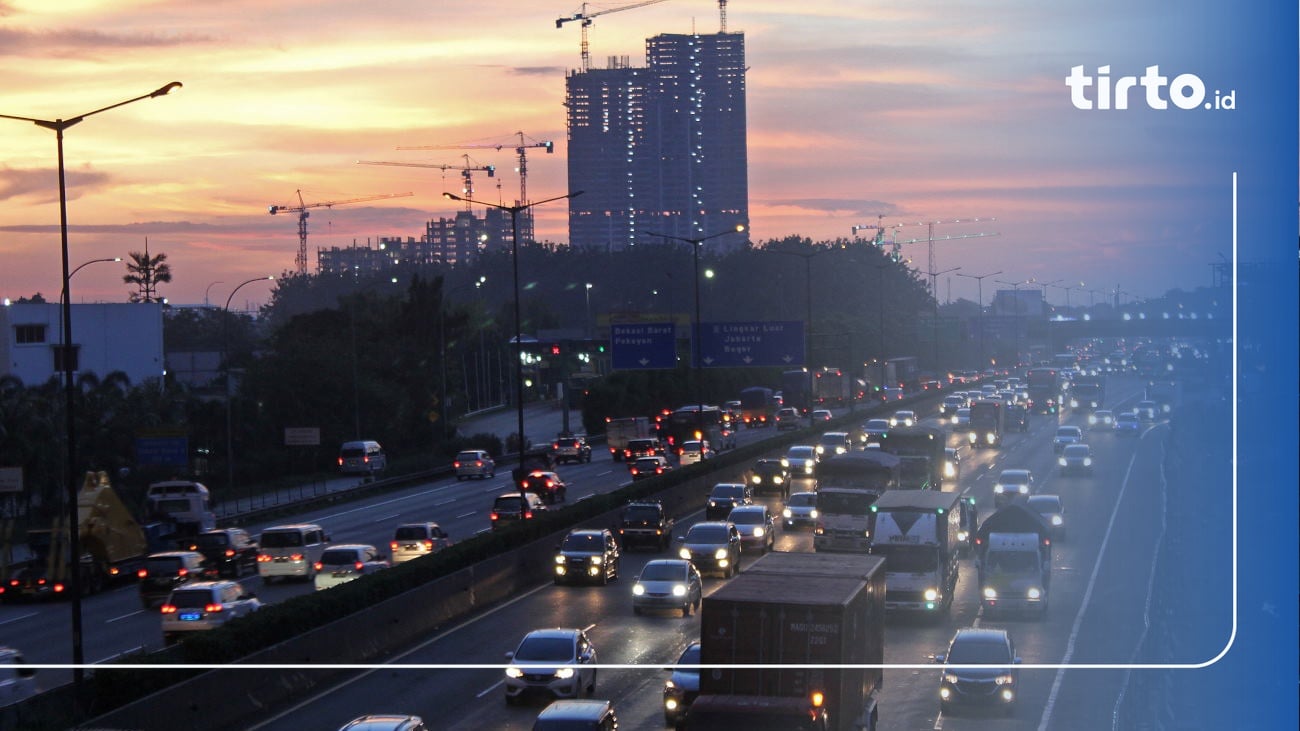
(466, 171)
(586, 18)
(300, 262)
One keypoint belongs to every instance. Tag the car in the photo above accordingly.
(833, 442)
(1012, 484)
(756, 526)
(363, 457)
(645, 522)
(574, 714)
(1053, 512)
(642, 448)
(890, 393)
(1146, 410)
(1075, 459)
(694, 452)
(713, 546)
(787, 418)
(903, 417)
(682, 686)
(290, 551)
(413, 540)
(1127, 424)
(724, 496)
(727, 437)
(346, 562)
(1017, 417)
(643, 467)
(587, 555)
(951, 464)
(822, 415)
(961, 419)
(768, 475)
(203, 606)
(873, 430)
(800, 509)
(547, 485)
(570, 448)
(801, 460)
(17, 680)
(385, 722)
(1066, 435)
(951, 403)
(1102, 419)
(474, 463)
(163, 572)
(979, 669)
(557, 663)
(668, 583)
(513, 507)
(226, 552)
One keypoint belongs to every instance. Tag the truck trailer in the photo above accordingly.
(619, 431)
(920, 450)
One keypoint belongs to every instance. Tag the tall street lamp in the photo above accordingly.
(519, 335)
(934, 293)
(695, 336)
(1020, 310)
(65, 346)
(587, 330)
(807, 257)
(225, 359)
(442, 348)
(980, 278)
(83, 265)
(1067, 289)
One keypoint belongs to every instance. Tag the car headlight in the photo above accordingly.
(1165, 408)
(638, 590)
(513, 672)
(950, 678)
(1057, 521)
(954, 418)
(679, 590)
(1024, 489)
(1034, 593)
(685, 553)
(785, 463)
(713, 503)
(821, 449)
(1092, 419)
(597, 560)
(1061, 461)
(990, 437)
(756, 479)
(990, 593)
(559, 558)
(962, 535)
(758, 531)
(776, 480)
(807, 469)
(720, 553)
(786, 513)
(670, 685)
(1087, 461)
(1007, 679)
(561, 570)
(999, 488)
(813, 514)
(949, 470)
(972, 437)
(931, 595)
(1074, 403)
(564, 673)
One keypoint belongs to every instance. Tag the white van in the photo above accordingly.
(362, 458)
(290, 550)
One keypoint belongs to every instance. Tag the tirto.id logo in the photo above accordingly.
(1185, 91)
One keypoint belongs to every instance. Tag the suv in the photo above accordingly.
(554, 662)
(571, 448)
(997, 684)
(642, 448)
(413, 540)
(681, 689)
(165, 571)
(512, 507)
(787, 418)
(547, 485)
(474, 463)
(712, 545)
(694, 452)
(645, 523)
(769, 475)
(587, 555)
(645, 467)
(577, 715)
(1066, 435)
(205, 605)
(226, 551)
(727, 495)
(1012, 484)
(342, 563)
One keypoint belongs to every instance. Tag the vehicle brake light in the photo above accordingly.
(318, 565)
(340, 461)
(528, 514)
(213, 608)
(296, 557)
(493, 515)
(142, 573)
(359, 565)
(263, 558)
(182, 572)
(428, 545)
(58, 588)
(478, 463)
(230, 552)
(549, 483)
(392, 546)
(456, 465)
(168, 609)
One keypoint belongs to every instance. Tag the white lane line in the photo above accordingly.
(466, 515)
(494, 489)
(372, 506)
(491, 688)
(441, 503)
(119, 654)
(481, 532)
(584, 497)
(20, 617)
(387, 518)
(606, 472)
(124, 616)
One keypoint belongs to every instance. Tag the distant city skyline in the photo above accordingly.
(914, 111)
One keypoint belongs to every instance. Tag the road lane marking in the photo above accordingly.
(23, 616)
(441, 503)
(481, 532)
(491, 688)
(606, 472)
(387, 518)
(466, 515)
(496, 488)
(119, 654)
(124, 616)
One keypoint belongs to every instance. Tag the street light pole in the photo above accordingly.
(519, 335)
(1020, 311)
(807, 343)
(934, 293)
(587, 329)
(225, 360)
(74, 539)
(442, 348)
(980, 278)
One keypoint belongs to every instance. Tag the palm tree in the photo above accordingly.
(147, 272)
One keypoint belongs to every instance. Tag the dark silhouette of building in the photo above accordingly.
(660, 148)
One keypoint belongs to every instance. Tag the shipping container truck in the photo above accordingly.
(792, 609)
(919, 534)
(847, 485)
(830, 387)
(920, 450)
(758, 406)
(619, 431)
(1013, 550)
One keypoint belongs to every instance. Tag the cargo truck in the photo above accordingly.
(1088, 393)
(987, 422)
(757, 406)
(794, 390)
(793, 609)
(920, 450)
(1014, 558)
(1044, 388)
(847, 485)
(918, 533)
(830, 387)
(619, 431)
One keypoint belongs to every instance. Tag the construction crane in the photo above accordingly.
(521, 150)
(300, 261)
(880, 228)
(465, 171)
(930, 239)
(722, 16)
(586, 18)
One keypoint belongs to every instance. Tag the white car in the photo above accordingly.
(558, 663)
(1066, 435)
(342, 563)
(801, 461)
(413, 540)
(903, 418)
(1102, 419)
(1012, 484)
(17, 680)
(205, 605)
(693, 452)
(800, 509)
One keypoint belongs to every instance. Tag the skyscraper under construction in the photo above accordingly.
(661, 148)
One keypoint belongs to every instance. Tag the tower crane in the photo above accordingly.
(300, 261)
(930, 239)
(880, 228)
(521, 150)
(465, 171)
(586, 18)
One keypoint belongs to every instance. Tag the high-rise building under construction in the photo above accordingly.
(661, 148)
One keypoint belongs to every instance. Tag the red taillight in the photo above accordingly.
(634, 471)
(528, 514)
(340, 461)
(366, 459)
(523, 483)
(550, 483)
(263, 558)
(392, 546)
(478, 463)
(359, 565)
(230, 552)
(428, 545)
(556, 446)
(58, 588)
(40, 581)
(296, 557)
(168, 609)
(318, 565)
(213, 608)
(142, 573)
(493, 515)
(182, 572)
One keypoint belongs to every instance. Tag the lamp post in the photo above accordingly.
(208, 289)
(225, 360)
(980, 278)
(1020, 310)
(1067, 289)
(442, 348)
(807, 257)
(934, 293)
(519, 335)
(587, 330)
(74, 539)
(83, 265)
(695, 336)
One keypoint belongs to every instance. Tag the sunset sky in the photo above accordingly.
(920, 110)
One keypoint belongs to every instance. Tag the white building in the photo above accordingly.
(107, 337)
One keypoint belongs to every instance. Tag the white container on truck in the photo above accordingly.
(847, 485)
(1014, 559)
(917, 533)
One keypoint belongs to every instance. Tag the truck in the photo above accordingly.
(1013, 550)
(820, 620)
(186, 504)
(879, 374)
(918, 533)
(114, 545)
(619, 430)
(847, 485)
(1088, 393)
(920, 450)
(691, 423)
(830, 387)
(757, 407)
(987, 422)
(1165, 392)
(794, 390)
(1044, 387)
